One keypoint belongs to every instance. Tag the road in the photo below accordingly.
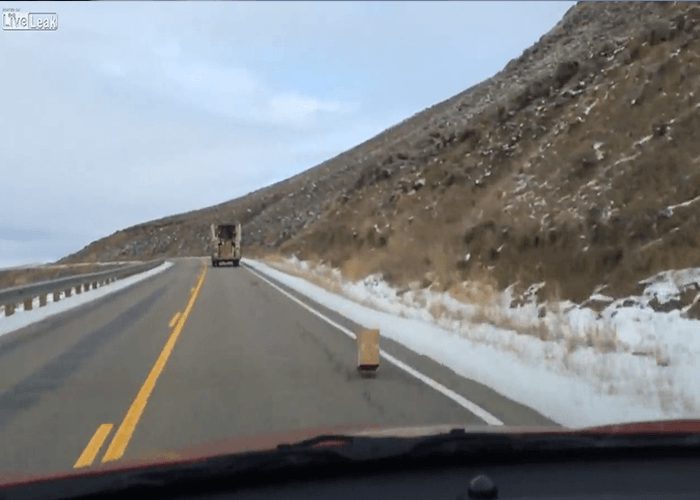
(196, 355)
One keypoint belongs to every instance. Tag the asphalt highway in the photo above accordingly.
(198, 355)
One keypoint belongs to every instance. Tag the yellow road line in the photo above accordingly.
(93, 447)
(126, 429)
(174, 320)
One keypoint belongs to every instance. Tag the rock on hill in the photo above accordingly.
(578, 165)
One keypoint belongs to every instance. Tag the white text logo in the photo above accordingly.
(15, 20)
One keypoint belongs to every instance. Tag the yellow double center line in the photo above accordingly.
(121, 439)
(93, 447)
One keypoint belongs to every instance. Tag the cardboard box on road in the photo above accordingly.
(368, 350)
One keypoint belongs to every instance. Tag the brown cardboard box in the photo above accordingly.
(368, 350)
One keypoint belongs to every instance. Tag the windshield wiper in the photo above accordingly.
(341, 454)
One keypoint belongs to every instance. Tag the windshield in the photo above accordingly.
(233, 225)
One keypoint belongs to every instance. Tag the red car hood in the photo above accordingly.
(271, 441)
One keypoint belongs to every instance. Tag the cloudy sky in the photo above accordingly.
(133, 111)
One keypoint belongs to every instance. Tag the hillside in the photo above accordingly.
(577, 165)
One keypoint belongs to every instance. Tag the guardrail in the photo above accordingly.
(25, 294)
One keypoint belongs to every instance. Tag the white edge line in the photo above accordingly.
(460, 400)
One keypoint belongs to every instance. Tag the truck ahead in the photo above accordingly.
(226, 239)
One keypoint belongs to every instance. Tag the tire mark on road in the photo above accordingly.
(15, 339)
(53, 374)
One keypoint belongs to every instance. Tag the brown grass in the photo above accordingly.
(320, 276)
(17, 277)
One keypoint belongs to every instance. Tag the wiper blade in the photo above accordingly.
(324, 440)
(458, 443)
(352, 448)
(469, 445)
(342, 453)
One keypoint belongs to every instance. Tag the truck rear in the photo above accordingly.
(226, 239)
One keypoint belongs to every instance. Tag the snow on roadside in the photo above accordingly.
(574, 365)
(668, 285)
(23, 318)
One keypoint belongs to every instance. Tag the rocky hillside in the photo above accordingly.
(577, 165)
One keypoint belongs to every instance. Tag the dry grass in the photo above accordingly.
(320, 276)
(482, 292)
(499, 318)
(600, 338)
(17, 277)
(355, 269)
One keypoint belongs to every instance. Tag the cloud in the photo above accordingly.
(198, 77)
(296, 109)
(233, 91)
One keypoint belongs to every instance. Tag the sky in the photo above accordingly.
(137, 110)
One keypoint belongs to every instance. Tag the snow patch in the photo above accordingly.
(669, 210)
(643, 140)
(627, 158)
(590, 107)
(668, 285)
(597, 147)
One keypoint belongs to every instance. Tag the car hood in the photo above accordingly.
(270, 441)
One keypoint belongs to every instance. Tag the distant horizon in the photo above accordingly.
(133, 112)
